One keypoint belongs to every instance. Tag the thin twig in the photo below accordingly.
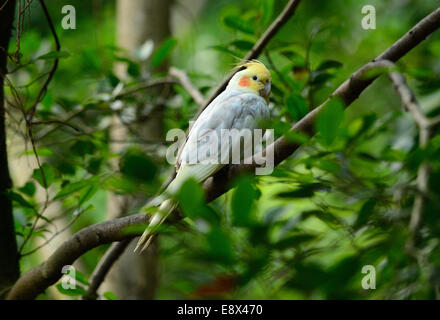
(408, 99)
(127, 92)
(424, 124)
(253, 53)
(31, 114)
(104, 266)
(37, 279)
(52, 237)
(45, 185)
(256, 50)
(54, 66)
(4, 4)
(143, 86)
(275, 69)
(57, 122)
(187, 85)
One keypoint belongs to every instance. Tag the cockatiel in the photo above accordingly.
(240, 106)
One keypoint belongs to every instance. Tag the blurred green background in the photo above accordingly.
(341, 202)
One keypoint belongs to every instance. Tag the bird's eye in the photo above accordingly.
(255, 78)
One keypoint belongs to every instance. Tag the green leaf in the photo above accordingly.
(308, 276)
(365, 213)
(329, 64)
(391, 155)
(304, 191)
(273, 214)
(113, 79)
(88, 193)
(242, 45)
(267, 7)
(297, 106)
(329, 121)
(66, 168)
(74, 187)
(134, 70)
(28, 189)
(326, 216)
(163, 51)
(137, 166)
(294, 56)
(327, 165)
(110, 295)
(121, 185)
(297, 137)
(54, 55)
(191, 198)
(83, 147)
(224, 49)
(94, 164)
(219, 246)
(320, 78)
(49, 175)
(15, 197)
(242, 202)
(255, 264)
(80, 277)
(239, 24)
(91, 60)
(42, 152)
(74, 292)
(293, 241)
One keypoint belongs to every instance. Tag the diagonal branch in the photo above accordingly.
(348, 92)
(41, 277)
(104, 267)
(187, 85)
(253, 53)
(256, 50)
(30, 116)
(425, 127)
(54, 66)
(36, 280)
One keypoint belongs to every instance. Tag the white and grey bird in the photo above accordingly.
(241, 105)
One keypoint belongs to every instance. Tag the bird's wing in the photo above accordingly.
(189, 146)
(229, 111)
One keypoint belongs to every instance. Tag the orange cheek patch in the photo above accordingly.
(244, 82)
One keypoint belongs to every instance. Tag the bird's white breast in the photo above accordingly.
(230, 110)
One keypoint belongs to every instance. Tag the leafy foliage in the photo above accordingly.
(343, 201)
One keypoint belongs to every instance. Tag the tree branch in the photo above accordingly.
(256, 50)
(348, 92)
(425, 127)
(54, 66)
(104, 267)
(39, 278)
(187, 85)
(143, 86)
(36, 280)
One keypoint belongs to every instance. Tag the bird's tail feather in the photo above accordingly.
(166, 207)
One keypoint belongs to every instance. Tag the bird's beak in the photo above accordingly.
(265, 91)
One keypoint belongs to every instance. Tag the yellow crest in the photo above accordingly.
(255, 66)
